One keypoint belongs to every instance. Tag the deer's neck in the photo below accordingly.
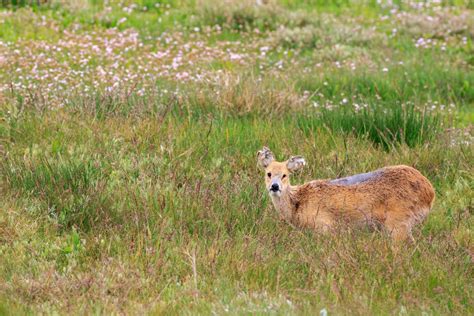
(285, 204)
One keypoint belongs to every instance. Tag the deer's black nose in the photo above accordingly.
(275, 187)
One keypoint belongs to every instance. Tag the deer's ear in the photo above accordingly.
(264, 157)
(295, 163)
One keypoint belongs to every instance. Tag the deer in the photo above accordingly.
(393, 198)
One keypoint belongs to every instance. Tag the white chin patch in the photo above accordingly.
(275, 193)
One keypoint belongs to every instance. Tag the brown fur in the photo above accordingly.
(397, 198)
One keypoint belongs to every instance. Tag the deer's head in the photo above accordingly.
(277, 174)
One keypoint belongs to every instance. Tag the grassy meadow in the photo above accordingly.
(128, 140)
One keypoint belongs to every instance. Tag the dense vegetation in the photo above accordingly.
(128, 138)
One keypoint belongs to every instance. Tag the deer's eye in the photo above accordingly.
(269, 174)
(284, 176)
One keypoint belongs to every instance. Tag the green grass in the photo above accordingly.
(154, 208)
(147, 199)
(386, 126)
(70, 190)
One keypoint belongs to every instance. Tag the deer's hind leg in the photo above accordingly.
(399, 231)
